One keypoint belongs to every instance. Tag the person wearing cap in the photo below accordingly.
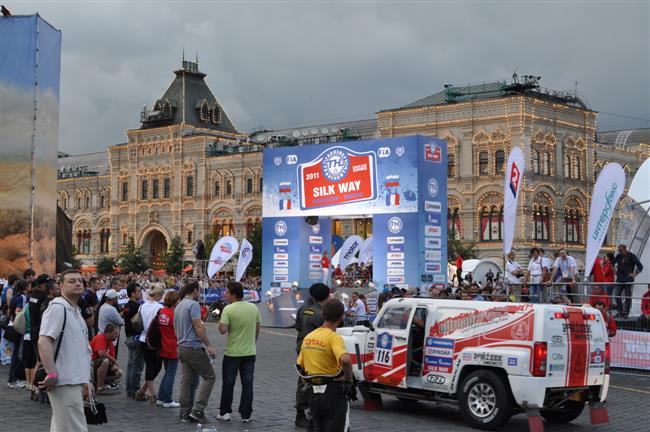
(308, 319)
(108, 313)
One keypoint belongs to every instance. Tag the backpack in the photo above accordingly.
(154, 335)
(21, 322)
(136, 322)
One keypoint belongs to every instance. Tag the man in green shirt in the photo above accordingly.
(241, 321)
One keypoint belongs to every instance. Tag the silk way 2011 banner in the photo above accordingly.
(222, 251)
(245, 257)
(330, 180)
(511, 188)
(607, 190)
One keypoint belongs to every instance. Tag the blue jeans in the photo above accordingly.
(134, 366)
(536, 293)
(16, 369)
(229, 368)
(167, 382)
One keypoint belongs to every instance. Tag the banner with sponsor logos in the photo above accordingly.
(401, 182)
(631, 349)
(511, 188)
(222, 251)
(245, 257)
(607, 190)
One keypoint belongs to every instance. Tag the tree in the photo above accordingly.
(74, 261)
(208, 241)
(105, 265)
(174, 256)
(462, 247)
(255, 239)
(132, 260)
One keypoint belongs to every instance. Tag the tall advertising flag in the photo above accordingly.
(349, 250)
(607, 190)
(222, 251)
(366, 251)
(245, 257)
(511, 188)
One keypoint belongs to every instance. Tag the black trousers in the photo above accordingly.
(329, 410)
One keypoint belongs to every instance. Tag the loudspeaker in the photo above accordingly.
(311, 220)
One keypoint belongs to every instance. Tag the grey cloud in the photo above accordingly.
(285, 64)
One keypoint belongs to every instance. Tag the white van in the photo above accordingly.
(491, 359)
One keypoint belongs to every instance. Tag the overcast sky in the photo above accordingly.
(288, 64)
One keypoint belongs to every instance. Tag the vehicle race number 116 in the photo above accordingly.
(384, 350)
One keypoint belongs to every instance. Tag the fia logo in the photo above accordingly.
(399, 151)
(335, 165)
(514, 179)
(383, 152)
(277, 160)
(395, 225)
(292, 159)
(280, 228)
(432, 187)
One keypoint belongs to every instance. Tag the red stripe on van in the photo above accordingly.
(578, 333)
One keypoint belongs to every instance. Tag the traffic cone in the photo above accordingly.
(598, 414)
(535, 423)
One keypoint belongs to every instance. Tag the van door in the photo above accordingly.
(389, 360)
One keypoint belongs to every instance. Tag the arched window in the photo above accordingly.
(492, 223)
(125, 239)
(577, 174)
(78, 203)
(499, 161)
(546, 165)
(572, 220)
(249, 185)
(536, 161)
(87, 202)
(454, 225)
(217, 189)
(542, 222)
(190, 238)
(451, 166)
(101, 240)
(567, 166)
(229, 188)
(102, 201)
(261, 184)
(483, 163)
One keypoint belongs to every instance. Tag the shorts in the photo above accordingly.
(98, 362)
(29, 355)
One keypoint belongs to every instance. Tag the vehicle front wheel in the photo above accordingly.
(565, 413)
(485, 400)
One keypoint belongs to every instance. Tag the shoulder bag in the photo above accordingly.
(40, 374)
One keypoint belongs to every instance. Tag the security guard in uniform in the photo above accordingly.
(326, 368)
(308, 319)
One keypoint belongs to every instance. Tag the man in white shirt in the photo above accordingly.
(565, 270)
(68, 371)
(358, 306)
(536, 271)
(514, 271)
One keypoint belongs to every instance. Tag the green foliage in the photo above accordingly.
(76, 262)
(457, 247)
(174, 256)
(255, 238)
(132, 260)
(208, 241)
(105, 265)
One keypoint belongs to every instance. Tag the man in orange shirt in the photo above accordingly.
(104, 362)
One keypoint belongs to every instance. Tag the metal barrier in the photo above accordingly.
(354, 320)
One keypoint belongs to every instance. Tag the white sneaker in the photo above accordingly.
(159, 403)
(224, 417)
(246, 420)
(172, 404)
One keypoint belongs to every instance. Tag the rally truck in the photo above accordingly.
(491, 359)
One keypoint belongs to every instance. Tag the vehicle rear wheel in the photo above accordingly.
(565, 413)
(485, 400)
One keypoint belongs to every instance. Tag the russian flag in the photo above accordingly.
(392, 181)
(285, 204)
(285, 187)
(392, 199)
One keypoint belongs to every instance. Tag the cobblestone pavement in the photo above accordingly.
(274, 395)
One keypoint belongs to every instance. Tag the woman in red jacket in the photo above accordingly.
(168, 351)
(609, 274)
